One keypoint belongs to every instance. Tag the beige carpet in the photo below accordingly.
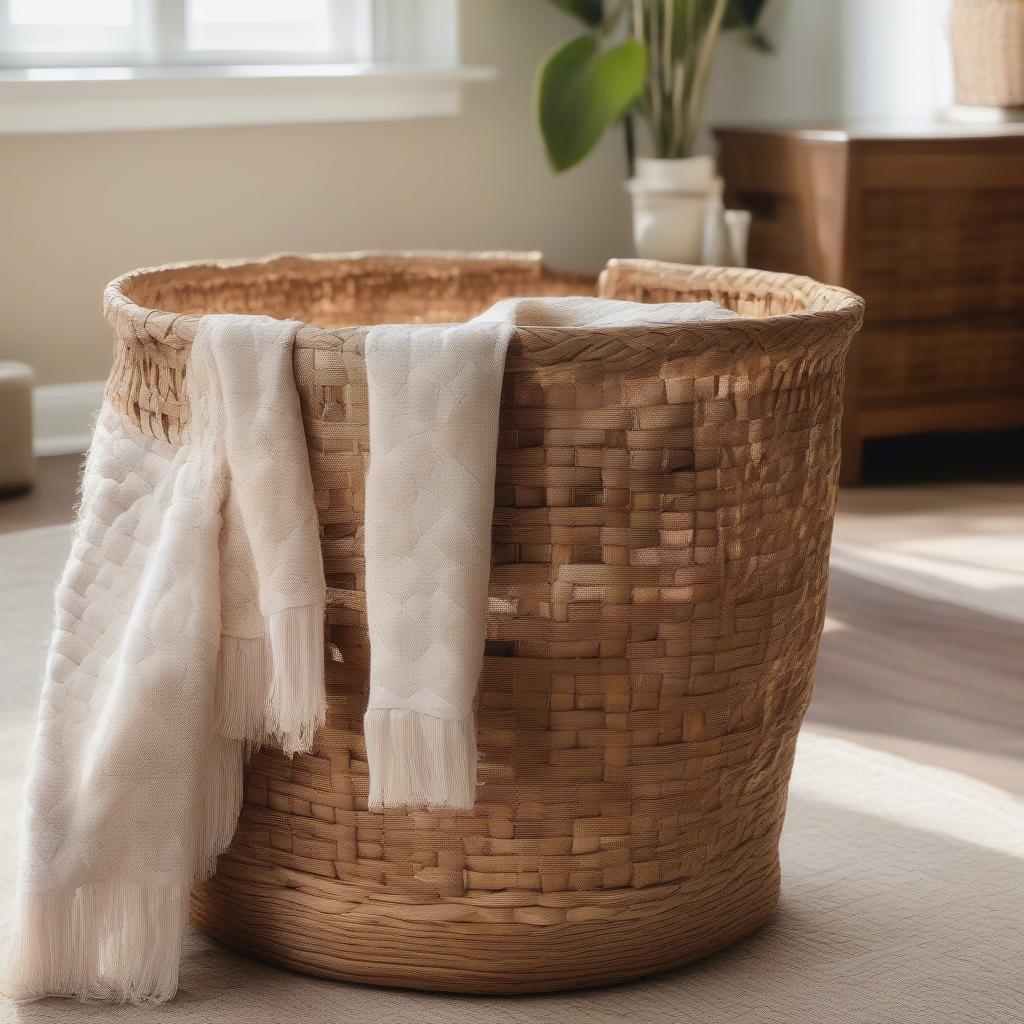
(903, 897)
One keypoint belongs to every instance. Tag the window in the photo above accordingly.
(299, 26)
(63, 27)
(108, 65)
(92, 33)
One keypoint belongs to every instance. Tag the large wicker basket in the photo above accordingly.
(663, 513)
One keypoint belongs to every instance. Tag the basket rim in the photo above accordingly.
(832, 303)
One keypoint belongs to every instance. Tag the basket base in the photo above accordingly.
(628, 934)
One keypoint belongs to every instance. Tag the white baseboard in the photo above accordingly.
(63, 415)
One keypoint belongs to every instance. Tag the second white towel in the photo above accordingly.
(434, 399)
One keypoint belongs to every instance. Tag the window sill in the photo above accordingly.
(50, 100)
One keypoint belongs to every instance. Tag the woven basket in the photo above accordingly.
(988, 52)
(663, 513)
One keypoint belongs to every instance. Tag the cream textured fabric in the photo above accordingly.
(189, 625)
(434, 397)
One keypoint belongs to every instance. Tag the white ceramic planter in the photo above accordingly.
(671, 199)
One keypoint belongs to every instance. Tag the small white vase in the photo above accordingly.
(686, 174)
(671, 199)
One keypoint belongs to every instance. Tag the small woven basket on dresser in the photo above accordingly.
(987, 38)
(662, 520)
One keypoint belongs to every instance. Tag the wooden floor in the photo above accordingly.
(920, 676)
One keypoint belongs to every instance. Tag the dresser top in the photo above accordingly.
(879, 130)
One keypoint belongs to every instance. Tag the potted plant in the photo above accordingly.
(644, 63)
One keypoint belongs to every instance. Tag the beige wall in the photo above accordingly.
(77, 210)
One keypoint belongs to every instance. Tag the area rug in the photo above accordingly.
(902, 901)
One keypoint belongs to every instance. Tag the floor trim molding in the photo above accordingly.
(63, 416)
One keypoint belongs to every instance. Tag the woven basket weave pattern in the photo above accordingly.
(988, 52)
(662, 520)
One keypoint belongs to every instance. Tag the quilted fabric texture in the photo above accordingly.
(434, 394)
(135, 777)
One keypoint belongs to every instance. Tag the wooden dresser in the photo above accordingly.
(928, 225)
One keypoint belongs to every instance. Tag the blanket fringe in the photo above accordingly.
(219, 805)
(243, 680)
(417, 760)
(296, 699)
(271, 688)
(114, 941)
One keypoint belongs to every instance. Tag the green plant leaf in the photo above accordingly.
(590, 12)
(582, 91)
(743, 13)
(759, 41)
(746, 15)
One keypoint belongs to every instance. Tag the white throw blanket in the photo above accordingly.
(434, 395)
(189, 626)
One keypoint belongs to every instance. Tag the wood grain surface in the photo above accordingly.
(927, 225)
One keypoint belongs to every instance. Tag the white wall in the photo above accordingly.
(895, 58)
(839, 59)
(798, 81)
